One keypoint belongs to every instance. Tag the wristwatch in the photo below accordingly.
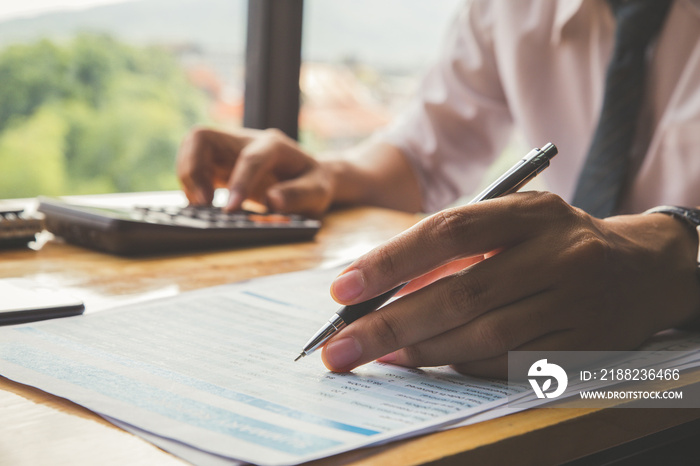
(689, 217)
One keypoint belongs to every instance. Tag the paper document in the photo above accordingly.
(213, 370)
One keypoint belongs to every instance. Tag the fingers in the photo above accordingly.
(440, 272)
(447, 304)
(270, 158)
(254, 164)
(554, 278)
(308, 195)
(205, 160)
(195, 178)
(265, 166)
(451, 234)
(497, 366)
(487, 336)
(300, 195)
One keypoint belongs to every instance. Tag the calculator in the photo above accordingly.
(161, 229)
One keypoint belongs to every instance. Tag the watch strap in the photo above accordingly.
(690, 217)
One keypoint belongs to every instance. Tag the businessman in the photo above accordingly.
(584, 266)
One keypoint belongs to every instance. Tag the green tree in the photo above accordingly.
(108, 116)
(31, 155)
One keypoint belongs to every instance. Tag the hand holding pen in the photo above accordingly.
(511, 181)
(552, 277)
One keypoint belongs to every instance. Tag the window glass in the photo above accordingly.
(361, 61)
(95, 96)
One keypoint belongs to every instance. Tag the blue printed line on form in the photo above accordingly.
(167, 404)
(267, 298)
(204, 386)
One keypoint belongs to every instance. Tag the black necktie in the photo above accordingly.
(605, 171)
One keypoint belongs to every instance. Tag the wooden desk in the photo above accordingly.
(38, 428)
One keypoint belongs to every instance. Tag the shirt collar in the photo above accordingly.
(565, 10)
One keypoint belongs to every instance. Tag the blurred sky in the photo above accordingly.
(25, 8)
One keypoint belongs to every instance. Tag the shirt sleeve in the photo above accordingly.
(459, 120)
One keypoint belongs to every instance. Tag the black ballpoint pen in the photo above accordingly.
(511, 181)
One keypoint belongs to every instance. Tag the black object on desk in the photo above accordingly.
(24, 301)
(149, 230)
(18, 227)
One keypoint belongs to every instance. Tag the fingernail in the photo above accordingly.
(348, 286)
(391, 357)
(341, 353)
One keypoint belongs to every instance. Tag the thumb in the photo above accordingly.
(302, 195)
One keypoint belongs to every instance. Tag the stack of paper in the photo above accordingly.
(209, 375)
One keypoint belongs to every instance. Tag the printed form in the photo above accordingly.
(212, 371)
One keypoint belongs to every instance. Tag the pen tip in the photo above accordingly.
(299, 357)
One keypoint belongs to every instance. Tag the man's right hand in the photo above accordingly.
(262, 165)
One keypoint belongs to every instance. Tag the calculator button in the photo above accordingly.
(188, 211)
(190, 221)
(172, 210)
(155, 216)
(205, 215)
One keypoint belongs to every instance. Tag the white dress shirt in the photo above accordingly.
(539, 65)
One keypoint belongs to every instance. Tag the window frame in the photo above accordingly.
(272, 65)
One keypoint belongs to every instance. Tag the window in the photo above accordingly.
(96, 97)
(362, 61)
